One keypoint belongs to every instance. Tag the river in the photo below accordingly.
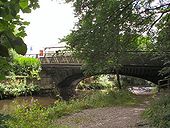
(7, 104)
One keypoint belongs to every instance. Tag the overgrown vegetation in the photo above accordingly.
(33, 115)
(95, 100)
(95, 83)
(109, 81)
(12, 27)
(24, 66)
(158, 114)
(29, 115)
(14, 87)
(108, 31)
(20, 70)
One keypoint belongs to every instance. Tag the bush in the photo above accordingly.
(13, 88)
(158, 114)
(23, 66)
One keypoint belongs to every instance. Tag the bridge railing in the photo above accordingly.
(60, 55)
(56, 58)
(164, 82)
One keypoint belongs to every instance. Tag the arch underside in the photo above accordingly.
(66, 78)
(147, 73)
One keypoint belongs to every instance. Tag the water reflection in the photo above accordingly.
(6, 105)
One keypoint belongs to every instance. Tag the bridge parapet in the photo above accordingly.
(60, 59)
(130, 58)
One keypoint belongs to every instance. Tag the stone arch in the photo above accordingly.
(67, 86)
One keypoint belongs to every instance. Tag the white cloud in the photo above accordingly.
(51, 21)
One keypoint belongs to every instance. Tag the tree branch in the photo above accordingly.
(155, 22)
(155, 8)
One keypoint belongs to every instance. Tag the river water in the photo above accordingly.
(6, 105)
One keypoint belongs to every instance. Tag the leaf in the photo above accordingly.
(26, 10)
(19, 46)
(21, 28)
(1, 3)
(26, 23)
(21, 34)
(2, 28)
(3, 51)
(8, 17)
(5, 41)
(23, 4)
(2, 77)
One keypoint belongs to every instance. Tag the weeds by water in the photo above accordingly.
(35, 116)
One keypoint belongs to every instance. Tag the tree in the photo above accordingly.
(163, 43)
(106, 29)
(12, 27)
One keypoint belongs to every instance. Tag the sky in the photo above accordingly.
(53, 20)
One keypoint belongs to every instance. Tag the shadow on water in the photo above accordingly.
(2, 119)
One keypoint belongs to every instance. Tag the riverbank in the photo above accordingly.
(116, 116)
(7, 104)
(49, 117)
(108, 117)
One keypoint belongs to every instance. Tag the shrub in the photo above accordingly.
(158, 114)
(16, 88)
(23, 66)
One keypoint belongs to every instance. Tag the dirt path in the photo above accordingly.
(113, 117)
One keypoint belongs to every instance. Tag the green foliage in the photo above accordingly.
(158, 114)
(163, 44)
(98, 82)
(32, 115)
(4, 67)
(3, 118)
(12, 26)
(29, 115)
(16, 88)
(94, 86)
(95, 100)
(110, 98)
(106, 29)
(18, 65)
(23, 66)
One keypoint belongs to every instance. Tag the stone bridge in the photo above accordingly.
(66, 71)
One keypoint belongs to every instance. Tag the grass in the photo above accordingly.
(32, 115)
(95, 100)
(158, 113)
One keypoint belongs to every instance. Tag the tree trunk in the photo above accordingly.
(118, 80)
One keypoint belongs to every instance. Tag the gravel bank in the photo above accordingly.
(111, 117)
